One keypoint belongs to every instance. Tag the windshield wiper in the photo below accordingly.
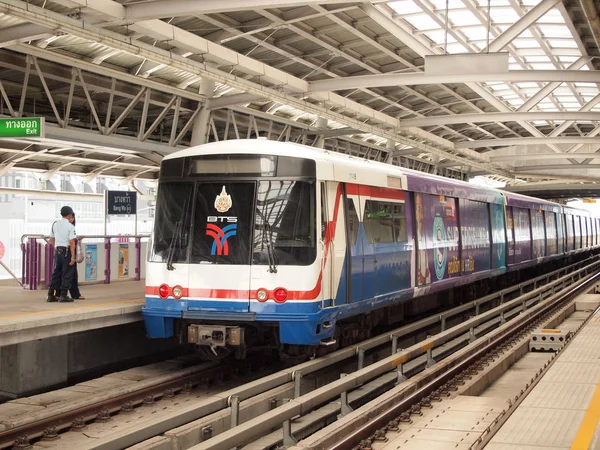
(269, 242)
(178, 232)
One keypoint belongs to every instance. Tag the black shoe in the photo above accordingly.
(65, 299)
(51, 296)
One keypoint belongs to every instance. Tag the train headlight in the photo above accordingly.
(177, 292)
(280, 295)
(163, 291)
(262, 295)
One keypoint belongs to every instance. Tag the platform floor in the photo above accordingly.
(563, 410)
(25, 315)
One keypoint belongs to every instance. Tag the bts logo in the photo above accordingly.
(228, 219)
(220, 246)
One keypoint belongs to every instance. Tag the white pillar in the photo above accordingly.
(390, 145)
(200, 127)
(321, 125)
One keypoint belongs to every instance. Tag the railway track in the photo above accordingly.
(480, 336)
(312, 393)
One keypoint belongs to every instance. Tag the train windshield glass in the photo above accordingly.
(285, 223)
(172, 222)
(223, 223)
(267, 222)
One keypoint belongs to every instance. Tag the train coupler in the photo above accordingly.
(215, 335)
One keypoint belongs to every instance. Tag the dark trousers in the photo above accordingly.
(75, 292)
(63, 273)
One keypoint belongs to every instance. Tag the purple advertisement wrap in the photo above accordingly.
(437, 237)
(522, 234)
(498, 237)
(475, 235)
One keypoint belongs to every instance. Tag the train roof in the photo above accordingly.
(415, 180)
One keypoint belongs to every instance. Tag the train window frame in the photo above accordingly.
(399, 233)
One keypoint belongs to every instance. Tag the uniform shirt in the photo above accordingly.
(63, 232)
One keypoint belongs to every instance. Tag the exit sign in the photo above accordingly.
(32, 127)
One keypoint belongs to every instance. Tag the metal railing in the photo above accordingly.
(35, 252)
(523, 307)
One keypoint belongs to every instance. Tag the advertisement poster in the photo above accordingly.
(91, 262)
(498, 237)
(437, 235)
(476, 252)
(123, 260)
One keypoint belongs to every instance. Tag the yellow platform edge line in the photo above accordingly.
(584, 436)
(73, 308)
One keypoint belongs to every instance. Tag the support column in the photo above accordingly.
(32, 366)
(200, 127)
(321, 125)
(390, 146)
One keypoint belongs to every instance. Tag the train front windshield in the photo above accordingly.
(219, 211)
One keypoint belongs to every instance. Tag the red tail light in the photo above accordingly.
(163, 291)
(280, 295)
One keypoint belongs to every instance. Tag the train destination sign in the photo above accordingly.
(22, 127)
(121, 203)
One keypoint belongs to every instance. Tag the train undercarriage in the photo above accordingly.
(222, 340)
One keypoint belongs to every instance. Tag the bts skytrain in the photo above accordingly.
(270, 244)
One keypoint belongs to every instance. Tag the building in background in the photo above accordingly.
(34, 212)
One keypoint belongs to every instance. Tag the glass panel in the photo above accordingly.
(285, 230)
(172, 222)
(551, 233)
(522, 234)
(475, 236)
(223, 223)
(537, 226)
(385, 221)
(437, 234)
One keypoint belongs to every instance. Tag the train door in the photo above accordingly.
(354, 255)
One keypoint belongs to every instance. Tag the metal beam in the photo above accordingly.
(550, 87)
(226, 56)
(332, 133)
(177, 8)
(555, 167)
(500, 117)
(231, 100)
(544, 156)
(521, 25)
(419, 79)
(526, 141)
(24, 32)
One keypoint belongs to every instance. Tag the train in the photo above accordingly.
(264, 244)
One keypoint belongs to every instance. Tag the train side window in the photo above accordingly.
(385, 221)
(352, 221)
(551, 232)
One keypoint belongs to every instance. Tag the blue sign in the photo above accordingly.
(91, 262)
(121, 203)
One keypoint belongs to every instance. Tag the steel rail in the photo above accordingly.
(106, 406)
(219, 402)
(302, 405)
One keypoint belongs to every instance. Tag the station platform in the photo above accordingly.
(561, 412)
(48, 345)
(26, 316)
(563, 409)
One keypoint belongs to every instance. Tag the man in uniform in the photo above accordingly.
(65, 240)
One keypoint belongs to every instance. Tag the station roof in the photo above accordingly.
(434, 85)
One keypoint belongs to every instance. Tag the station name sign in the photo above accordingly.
(22, 127)
(121, 203)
